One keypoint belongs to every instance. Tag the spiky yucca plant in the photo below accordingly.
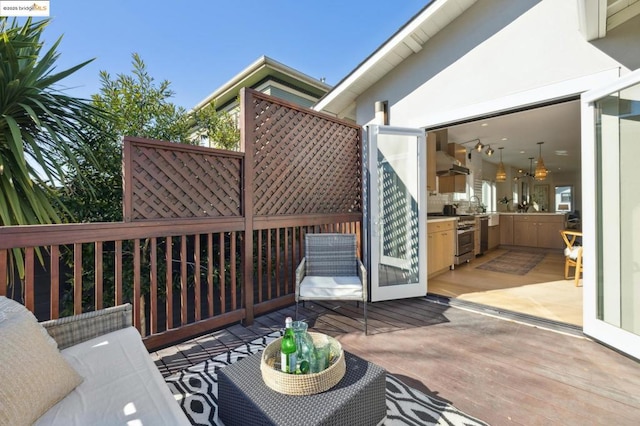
(39, 126)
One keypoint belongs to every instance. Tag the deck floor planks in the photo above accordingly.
(539, 365)
(550, 360)
(456, 372)
(453, 367)
(501, 371)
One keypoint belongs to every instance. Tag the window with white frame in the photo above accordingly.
(489, 197)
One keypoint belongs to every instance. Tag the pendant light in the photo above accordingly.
(501, 173)
(541, 170)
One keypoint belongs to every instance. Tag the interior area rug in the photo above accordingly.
(516, 262)
(196, 390)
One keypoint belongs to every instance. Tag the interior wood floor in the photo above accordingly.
(503, 372)
(542, 292)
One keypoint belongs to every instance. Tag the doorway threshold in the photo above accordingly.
(560, 327)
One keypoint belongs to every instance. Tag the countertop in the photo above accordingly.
(441, 219)
(533, 213)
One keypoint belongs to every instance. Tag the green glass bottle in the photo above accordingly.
(288, 349)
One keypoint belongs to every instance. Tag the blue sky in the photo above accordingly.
(199, 45)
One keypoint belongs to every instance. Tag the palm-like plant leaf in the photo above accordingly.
(41, 128)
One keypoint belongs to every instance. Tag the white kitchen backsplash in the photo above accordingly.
(436, 202)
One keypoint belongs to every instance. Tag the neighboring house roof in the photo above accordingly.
(265, 69)
(595, 21)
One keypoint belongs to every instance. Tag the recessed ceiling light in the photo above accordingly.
(562, 152)
(521, 152)
(504, 139)
(484, 124)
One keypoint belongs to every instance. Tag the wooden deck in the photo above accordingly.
(502, 371)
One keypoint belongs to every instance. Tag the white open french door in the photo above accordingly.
(398, 218)
(611, 213)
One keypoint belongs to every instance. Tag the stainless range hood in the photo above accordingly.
(447, 164)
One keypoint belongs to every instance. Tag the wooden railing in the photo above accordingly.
(195, 287)
(209, 237)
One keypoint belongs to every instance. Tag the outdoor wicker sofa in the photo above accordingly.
(86, 369)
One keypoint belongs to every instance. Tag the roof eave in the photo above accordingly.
(233, 86)
(404, 38)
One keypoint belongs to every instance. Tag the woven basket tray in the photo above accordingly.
(303, 384)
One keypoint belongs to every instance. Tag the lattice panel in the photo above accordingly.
(171, 181)
(304, 162)
(400, 224)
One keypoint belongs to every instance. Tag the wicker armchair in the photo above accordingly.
(331, 270)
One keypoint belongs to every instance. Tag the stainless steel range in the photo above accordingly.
(465, 239)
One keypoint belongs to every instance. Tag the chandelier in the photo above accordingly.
(524, 174)
(541, 170)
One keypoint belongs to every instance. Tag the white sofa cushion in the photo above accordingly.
(121, 385)
(338, 288)
(33, 375)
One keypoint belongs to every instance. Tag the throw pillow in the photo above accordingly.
(9, 308)
(33, 374)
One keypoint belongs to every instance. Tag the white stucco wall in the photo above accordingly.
(499, 55)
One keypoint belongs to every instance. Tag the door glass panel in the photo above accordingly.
(398, 206)
(618, 147)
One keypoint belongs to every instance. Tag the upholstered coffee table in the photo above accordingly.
(358, 399)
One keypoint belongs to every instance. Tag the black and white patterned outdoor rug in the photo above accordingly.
(196, 390)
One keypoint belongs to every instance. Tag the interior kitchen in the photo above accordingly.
(500, 192)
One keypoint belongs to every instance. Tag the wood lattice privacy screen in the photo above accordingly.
(295, 162)
(303, 162)
(164, 180)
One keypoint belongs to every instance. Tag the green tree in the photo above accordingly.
(137, 106)
(220, 128)
(41, 129)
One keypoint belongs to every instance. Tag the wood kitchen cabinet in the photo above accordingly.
(440, 246)
(431, 162)
(452, 183)
(506, 230)
(457, 151)
(525, 231)
(538, 230)
(549, 234)
(494, 236)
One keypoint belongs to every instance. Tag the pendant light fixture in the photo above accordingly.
(501, 173)
(541, 170)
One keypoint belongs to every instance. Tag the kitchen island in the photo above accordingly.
(539, 230)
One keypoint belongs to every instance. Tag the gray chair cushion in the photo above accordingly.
(330, 255)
